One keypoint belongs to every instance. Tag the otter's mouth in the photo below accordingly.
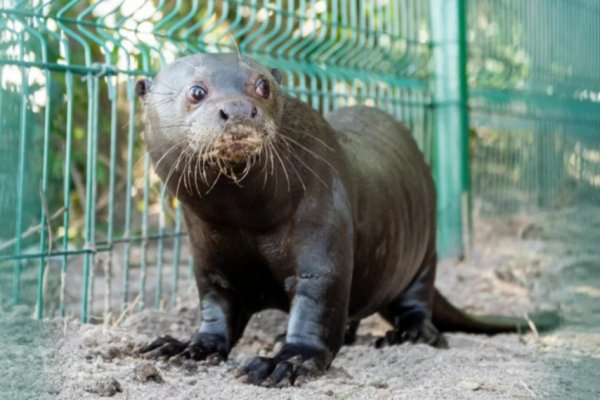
(232, 156)
(234, 150)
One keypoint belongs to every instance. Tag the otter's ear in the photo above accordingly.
(276, 74)
(142, 87)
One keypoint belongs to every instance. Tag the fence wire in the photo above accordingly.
(534, 71)
(86, 229)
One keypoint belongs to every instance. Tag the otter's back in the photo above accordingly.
(385, 159)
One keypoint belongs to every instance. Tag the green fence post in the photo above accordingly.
(451, 162)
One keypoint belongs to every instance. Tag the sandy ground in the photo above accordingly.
(518, 265)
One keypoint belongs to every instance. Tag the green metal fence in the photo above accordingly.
(534, 74)
(85, 229)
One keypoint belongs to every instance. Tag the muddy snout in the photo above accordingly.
(239, 141)
(231, 130)
(242, 132)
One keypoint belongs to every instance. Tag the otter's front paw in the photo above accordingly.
(293, 365)
(202, 346)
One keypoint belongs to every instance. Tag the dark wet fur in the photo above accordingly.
(332, 220)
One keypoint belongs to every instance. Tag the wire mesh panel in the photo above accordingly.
(534, 70)
(87, 228)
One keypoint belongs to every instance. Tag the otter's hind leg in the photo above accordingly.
(410, 313)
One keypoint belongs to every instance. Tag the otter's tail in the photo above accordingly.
(448, 318)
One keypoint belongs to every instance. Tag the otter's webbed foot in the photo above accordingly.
(202, 346)
(293, 365)
(423, 332)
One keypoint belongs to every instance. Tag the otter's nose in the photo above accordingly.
(237, 109)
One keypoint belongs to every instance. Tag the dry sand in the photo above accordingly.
(518, 265)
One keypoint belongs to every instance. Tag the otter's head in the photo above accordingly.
(219, 109)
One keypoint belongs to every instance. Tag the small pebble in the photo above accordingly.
(147, 372)
(190, 366)
(110, 353)
(468, 385)
(176, 360)
(105, 387)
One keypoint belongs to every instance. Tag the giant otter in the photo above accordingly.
(330, 219)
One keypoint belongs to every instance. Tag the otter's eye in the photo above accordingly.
(196, 94)
(262, 88)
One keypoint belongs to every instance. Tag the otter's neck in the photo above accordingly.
(257, 202)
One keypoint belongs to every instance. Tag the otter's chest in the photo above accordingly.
(256, 266)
